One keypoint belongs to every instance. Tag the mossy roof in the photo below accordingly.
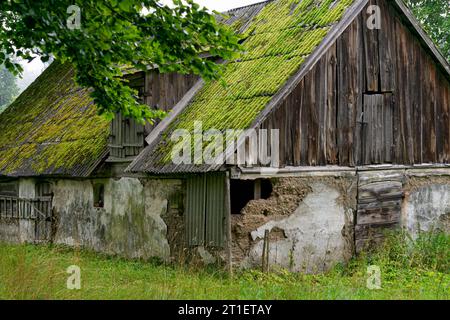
(278, 39)
(52, 128)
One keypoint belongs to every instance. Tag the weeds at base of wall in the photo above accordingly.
(410, 269)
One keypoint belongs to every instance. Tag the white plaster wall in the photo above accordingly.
(314, 234)
(129, 225)
(424, 208)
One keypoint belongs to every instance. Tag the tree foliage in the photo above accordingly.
(434, 15)
(114, 35)
(8, 87)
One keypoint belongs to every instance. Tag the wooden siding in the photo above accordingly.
(126, 138)
(164, 90)
(376, 96)
(159, 91)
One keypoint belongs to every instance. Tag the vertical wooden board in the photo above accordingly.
(368, 122)
(304, 125)
(445, 119)
(349, 93)
(148, 94)
(371, 53)
(358, 153)
(331, 85)
(293, 115)
(417, 106)
(342, 107)
(313, 125)
(371, 110)
(408, 63)
(356, 89)
(156, 90)
(119, 129)
(429, 115)
(434, 94)
(440, 125)
(297, 124)
(379, 133)
(112, 137)
(287, 122)
(284, 133)
(321, 98)
(388, 113)
(195, 210)
(386, 42)
(170, 92)
(399, 123)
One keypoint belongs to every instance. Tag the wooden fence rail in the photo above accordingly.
(20, 208)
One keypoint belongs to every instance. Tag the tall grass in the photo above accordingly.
(410, 269)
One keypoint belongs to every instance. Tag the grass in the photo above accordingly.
(409, 270)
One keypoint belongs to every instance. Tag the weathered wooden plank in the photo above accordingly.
(331, 106)
(368, 231)
(367, 122)
(348, 56)
(371, 53)
(386, 42)
(417, 106)
(296, 116)
(311, 105)
(388, 113)
(400, 114)
(379, 215)
(379, 187)
(321, 98)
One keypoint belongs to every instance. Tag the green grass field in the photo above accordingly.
(419, 270)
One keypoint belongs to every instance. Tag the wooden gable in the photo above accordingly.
(375, 97)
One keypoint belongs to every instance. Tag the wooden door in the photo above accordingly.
(376, 129)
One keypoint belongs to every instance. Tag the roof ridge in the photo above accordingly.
(247, 6)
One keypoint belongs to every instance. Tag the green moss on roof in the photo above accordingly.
(52, 128)
(277, 42)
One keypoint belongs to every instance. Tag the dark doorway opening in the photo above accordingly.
(243, 191)
(266, 188)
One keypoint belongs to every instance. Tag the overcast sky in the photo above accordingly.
(32, 70)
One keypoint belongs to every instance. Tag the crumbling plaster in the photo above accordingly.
(316, 234)
(129, 224)
(426, 205)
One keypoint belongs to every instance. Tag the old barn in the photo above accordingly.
(358, 96)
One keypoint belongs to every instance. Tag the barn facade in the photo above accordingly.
(352, 96)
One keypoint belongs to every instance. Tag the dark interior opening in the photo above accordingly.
(99, 195)
(43, 189)
(266, 188)
(243, 191)
(9, 188)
